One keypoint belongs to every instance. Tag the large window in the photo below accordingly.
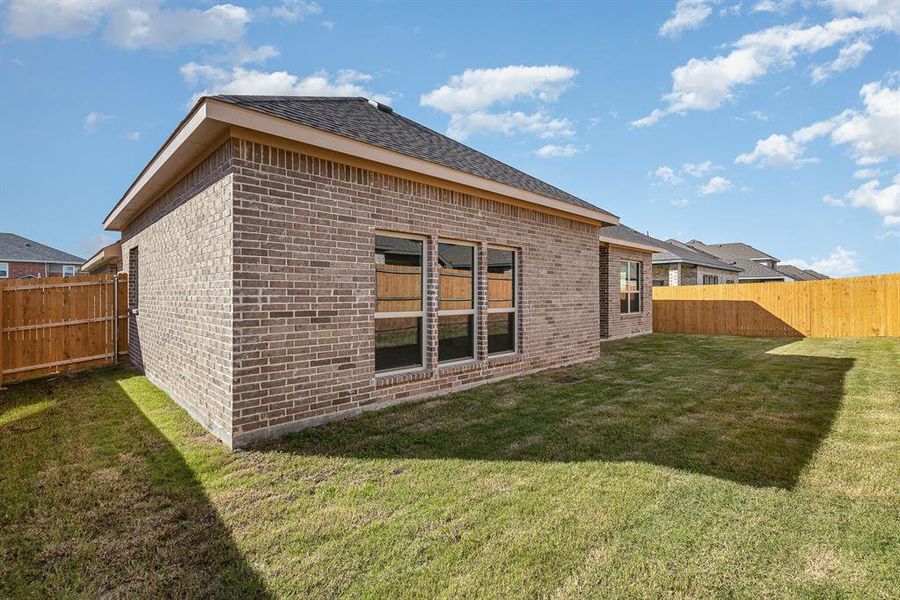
(501, 317)
(4, 270)
(630, 287)
(399, 302)
(68, 270)
(456, 311)
(710, 280)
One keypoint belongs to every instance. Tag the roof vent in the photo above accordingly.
(381, 107)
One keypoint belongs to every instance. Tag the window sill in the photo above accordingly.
(459, 366)
(398, 377)
(494, 360)
(631, 315)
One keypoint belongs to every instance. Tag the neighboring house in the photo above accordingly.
(679, 264)
(756, 266)
(295, 260)
(106, 260)
(21, 258)
(626, 269)
(797, 274)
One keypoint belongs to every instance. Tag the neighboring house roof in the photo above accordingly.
(732, 251)
(755, 270)
(622, 235)
(816, 274)
(677, 252)
(15, 248)
(103, 257)
(799, 274)
(350, 126)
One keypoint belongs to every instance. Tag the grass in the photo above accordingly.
(673, 466)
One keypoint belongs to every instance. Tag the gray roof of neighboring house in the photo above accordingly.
(358, 119)
(731, 251)
(15, 248)
(628, 235)
(799, 274)
(755, 270)
(677, 252)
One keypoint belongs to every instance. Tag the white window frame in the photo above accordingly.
(4, 266)
(715, 278)
(410, 313)
(640, 286)
(466, 311)
(515, 307)
(72, 274)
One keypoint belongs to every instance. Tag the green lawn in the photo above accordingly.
(674, 466)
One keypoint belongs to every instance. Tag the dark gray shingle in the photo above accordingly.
(358, 119)
(16, 248)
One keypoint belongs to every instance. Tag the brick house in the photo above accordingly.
(21, 258)
(680, 264)
(296, 260)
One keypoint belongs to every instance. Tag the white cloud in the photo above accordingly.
(891, 233)
(467, 98)
(243, 54)
(868, 173)
(884, 201)
(93, 119)
(554, 151)
(759, 115)
(779, 6)
(478, 89)
(133, 136)
(706, 84)
(538, 124)
(873, 134)
(679, 202)
(128, 25)
(293, 10)
(329, 25)
(850, 57)
(716, 185)
(239, 80)
(698, 169)
(775, 151)
(688, 14)
(666, 175)
(60, 18)
(840, 263)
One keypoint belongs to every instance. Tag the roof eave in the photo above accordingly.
(211, 118)
(628, 244)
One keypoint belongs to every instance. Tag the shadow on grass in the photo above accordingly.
(97, 501)
(723, 407)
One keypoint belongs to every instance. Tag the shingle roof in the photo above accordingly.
(731, 251)
(628, 235)
(755, 270)
(797, 273)
(816, 274)
(677, 252)
(379, 125)
(16, 248)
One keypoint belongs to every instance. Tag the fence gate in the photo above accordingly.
(59, 324)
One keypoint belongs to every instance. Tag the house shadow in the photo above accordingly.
(725, 407)
(719, 317)
(98, 502)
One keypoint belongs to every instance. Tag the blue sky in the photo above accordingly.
(772, 122)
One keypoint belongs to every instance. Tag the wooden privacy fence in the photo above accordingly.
(60, 324)
(829, 308)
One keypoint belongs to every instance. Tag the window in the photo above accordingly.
(68, 270)
(399, 302)
(456, 311)
(501, 317)
(4, 270)
(710, 280)
(630, 287)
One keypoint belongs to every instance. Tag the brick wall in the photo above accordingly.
(181, 334)
(620, 325)
(18, 270)
(304, 282)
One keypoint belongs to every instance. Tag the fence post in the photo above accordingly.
(115, 319)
